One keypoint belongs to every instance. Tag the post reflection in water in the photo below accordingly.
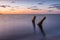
(41, 26)
(33, 22)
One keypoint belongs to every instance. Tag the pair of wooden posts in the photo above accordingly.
(39, 24)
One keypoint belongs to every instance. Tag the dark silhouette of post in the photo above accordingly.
(33, 21)
(41, 27)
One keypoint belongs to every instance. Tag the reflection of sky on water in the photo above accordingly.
(21, 26)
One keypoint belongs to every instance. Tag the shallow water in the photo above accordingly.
(20, 27)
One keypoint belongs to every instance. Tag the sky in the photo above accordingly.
(29, 6)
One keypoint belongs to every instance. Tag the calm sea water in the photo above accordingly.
(20, 27)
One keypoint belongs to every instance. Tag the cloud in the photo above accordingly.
(34, 8)
(4, 6)
(12, 1)
(10, 7)
(51, 7)
(30, 0)
(50, 10)
(40, 3)
(55, 6)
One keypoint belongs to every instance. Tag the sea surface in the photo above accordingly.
(20, 27)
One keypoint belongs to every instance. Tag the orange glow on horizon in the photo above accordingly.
(25, 11)
(21, 11)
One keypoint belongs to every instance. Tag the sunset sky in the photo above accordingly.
(29, 6)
